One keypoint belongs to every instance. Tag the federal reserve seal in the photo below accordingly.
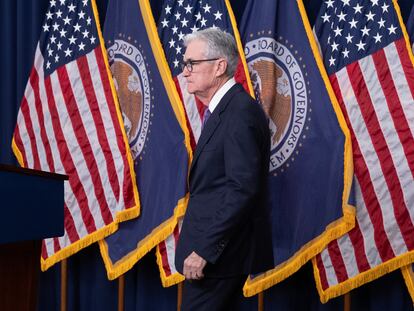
(132, 84)
(279, 84)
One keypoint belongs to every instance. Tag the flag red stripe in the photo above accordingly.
(357, 240)
(70, 226)
(127, 186)
(200, 107)
(369, 195)
(56, 245)
(19, 143)
(44, 252)
(100, 128)
(394, 106)
(322, 272)
(29, 126)
(337, 261)
(187, 121)
(380, 145)
(406, 63)
(34, 81)
(176, 234)
(83, 142)
(68, 164)
(240, 75)
(164, 258)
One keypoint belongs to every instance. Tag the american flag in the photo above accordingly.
(178, 18)
(369, 66)
(68, 123)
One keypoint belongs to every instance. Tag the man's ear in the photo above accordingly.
(221, 67)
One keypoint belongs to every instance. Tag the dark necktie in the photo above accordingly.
(207, 115)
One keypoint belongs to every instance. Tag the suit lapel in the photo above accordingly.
(213, 122)
(206, 133)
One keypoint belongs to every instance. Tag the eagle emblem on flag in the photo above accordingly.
(281, 88)
(132, 83)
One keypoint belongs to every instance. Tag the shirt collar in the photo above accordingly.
(220, 94)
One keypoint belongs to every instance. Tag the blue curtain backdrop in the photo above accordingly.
(88, 287)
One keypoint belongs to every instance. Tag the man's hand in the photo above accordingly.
(193, 267)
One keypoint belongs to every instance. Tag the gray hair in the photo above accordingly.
(219, 44)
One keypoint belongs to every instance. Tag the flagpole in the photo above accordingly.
(121, 292)
(260, 301)
(347, 302)
(179, 295)
(63, 284)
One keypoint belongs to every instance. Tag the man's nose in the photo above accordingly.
(186, 72)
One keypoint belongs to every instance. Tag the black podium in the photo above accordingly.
(31, 207)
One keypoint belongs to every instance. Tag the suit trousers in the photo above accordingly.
(213, 294)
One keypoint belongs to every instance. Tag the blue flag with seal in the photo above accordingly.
(408, 271)
(310, 175)
(410, 26)
(155, 126)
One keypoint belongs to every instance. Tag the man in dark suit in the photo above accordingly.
(226, 232)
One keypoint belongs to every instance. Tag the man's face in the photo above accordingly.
(201, 80)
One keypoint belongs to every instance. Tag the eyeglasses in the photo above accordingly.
(190, 63)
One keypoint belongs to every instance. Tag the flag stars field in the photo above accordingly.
(354, 33)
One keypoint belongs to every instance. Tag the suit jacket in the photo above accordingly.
(227, 222)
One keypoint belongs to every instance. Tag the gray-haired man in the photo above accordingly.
(226, 231)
